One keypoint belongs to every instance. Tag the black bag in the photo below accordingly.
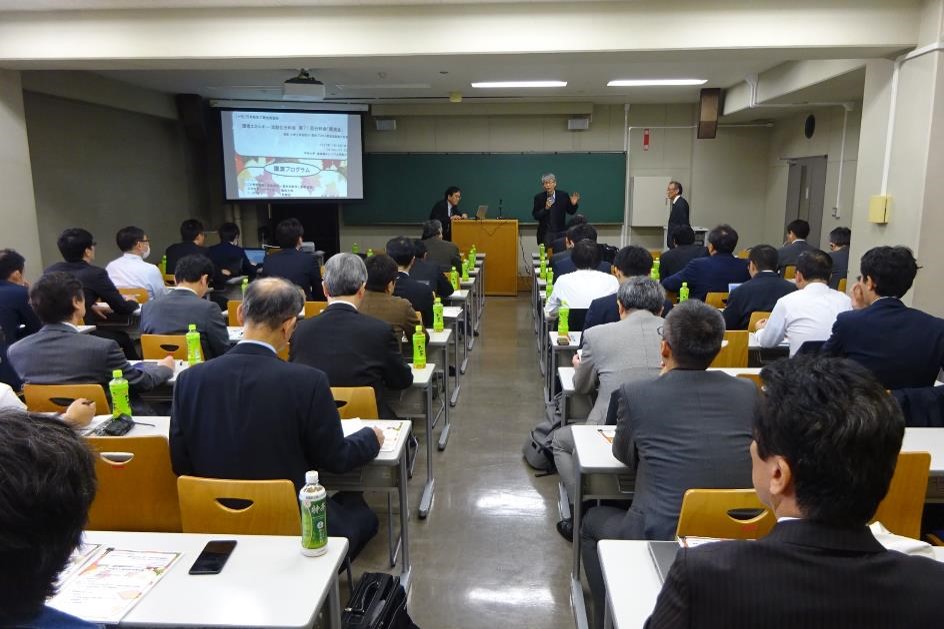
(537, 447)
(378, 602)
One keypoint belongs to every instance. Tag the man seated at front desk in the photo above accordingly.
(826, 441)
(250, 415)
(687, 428)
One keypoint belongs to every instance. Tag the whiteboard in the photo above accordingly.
(649, 207)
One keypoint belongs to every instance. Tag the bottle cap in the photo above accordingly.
(437, 300)
(116, 373)
(419, 329)
(192, 327)
(311, 477)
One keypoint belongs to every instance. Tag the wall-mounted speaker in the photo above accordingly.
(192, 115)
(578, 124)
(709, 108)
(385, 124)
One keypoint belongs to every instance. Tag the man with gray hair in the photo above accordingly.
(551, 208)
(441, 251)
(613, 354)
(353, 349)
(250, 415)
(687, 428)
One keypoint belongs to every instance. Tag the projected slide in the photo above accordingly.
(279, 155)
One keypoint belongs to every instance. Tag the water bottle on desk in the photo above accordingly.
(683, 292)
(542, 251)
(655, 272)
(438, 323)
(118, 387)
(550, 283)
(164, 265)
(355, 248)
(466, 264)
(454, 278)
(542, 271)
(563, 323)
(312, 501)
(194, 352)
(419, 348)
(245, 286)
(370, 252)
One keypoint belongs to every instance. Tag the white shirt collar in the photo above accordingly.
(132, 256)
(185, 288)
(262, 343)
(71, 325)
(343, 303)
(676, 198)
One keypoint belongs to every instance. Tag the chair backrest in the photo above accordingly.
(231, 307)
(716, 300)
(744, 254)
(672, 296)
(753, 377)
(272, 507)
(789, 272)
(655, 253)
(900, 511)
(169, 279)
(140, 294)
(734, 352)
(314, 308)
(157, 346)
(137, 489)
(707, 513)
(756, 316)
(355, 402)
(842, 285)
(576, 319)
(56, 398)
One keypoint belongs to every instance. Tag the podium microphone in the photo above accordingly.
(500, 208)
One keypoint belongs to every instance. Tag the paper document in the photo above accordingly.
(110, 583)
(391, 432)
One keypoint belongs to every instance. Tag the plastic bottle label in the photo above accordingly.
(314, 523)
(419, 350)
(563, 325)
(120, 402)
(438, 323)
(194, 352)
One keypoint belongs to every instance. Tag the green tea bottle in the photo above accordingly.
(563, 314)
(118, 387)
(438, 323)
(683, 292)
(312, 500)
(454, 278)
(194, 353)
(419, 348)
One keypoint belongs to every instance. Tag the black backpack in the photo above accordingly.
(378, 602)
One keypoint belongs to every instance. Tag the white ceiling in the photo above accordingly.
(103, 5)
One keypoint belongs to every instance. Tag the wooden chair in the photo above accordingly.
(272, 506)
(842, 285)
(716, 300)
(671, 296)
(355, 402)
(231, 307)
(169, 279)
(753, 377)
(789, 272)
(140, 294)
(900, 511)
(734, 354)
(137, 489)
(744, 254)
(157, 346)
(655, 253)
(756, 316)
(314, 308)
(56, 398)
(708, 513)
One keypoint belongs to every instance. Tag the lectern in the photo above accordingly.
(498, 239)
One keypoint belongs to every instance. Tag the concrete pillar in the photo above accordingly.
(20, 229)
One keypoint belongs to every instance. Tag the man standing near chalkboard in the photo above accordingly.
(678, 215)
(445, 211)
(551, 208)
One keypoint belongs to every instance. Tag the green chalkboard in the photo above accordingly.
(402, 187)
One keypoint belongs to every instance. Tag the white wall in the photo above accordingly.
(103, 169)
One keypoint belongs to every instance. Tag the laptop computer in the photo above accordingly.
(663, 556)
(256, 256)
(482, 212)
(731, 287)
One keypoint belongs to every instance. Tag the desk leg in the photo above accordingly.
(447, 402)
(334, 604)
(406, 573)
(465, 342)
(607, 616)
(576, 589)
(469, 320)
(563, 409)
(426, 501)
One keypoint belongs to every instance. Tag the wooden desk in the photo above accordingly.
(267, 582)
(499, 240)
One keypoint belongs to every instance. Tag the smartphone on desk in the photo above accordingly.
(213, 556)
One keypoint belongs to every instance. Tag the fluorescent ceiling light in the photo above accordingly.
(500, 84)
(654, 82)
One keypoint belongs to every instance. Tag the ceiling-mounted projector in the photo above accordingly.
(303, 87)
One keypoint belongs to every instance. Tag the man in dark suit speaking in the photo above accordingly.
(250, 415)
(678, 215)
(446, 211)
(826, 441)
(551, 208)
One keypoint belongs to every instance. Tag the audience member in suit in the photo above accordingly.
(60, 354)
(77, 247)
(797, 231)
(15, 311)
(354, 350)
(47, 489)
(229, 259)
(130, 270)
(903, 346)
(185, 304)
(613, 354)
(441, 252)
(291, 263)
(714, 273)
(807, 314)
(191, 243)
(550, 209)
(760, 293)
(679, 214)
(446, 211)
(561, 262)
(420, 295)
(682, 252)
(379, 301)
(630, 261)
(584, 285)
(839, 240)
(428, 273)
(251, 415)
(826, 441)
(560, 244)
(687, 428)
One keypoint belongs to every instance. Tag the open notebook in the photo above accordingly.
(392, 433)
